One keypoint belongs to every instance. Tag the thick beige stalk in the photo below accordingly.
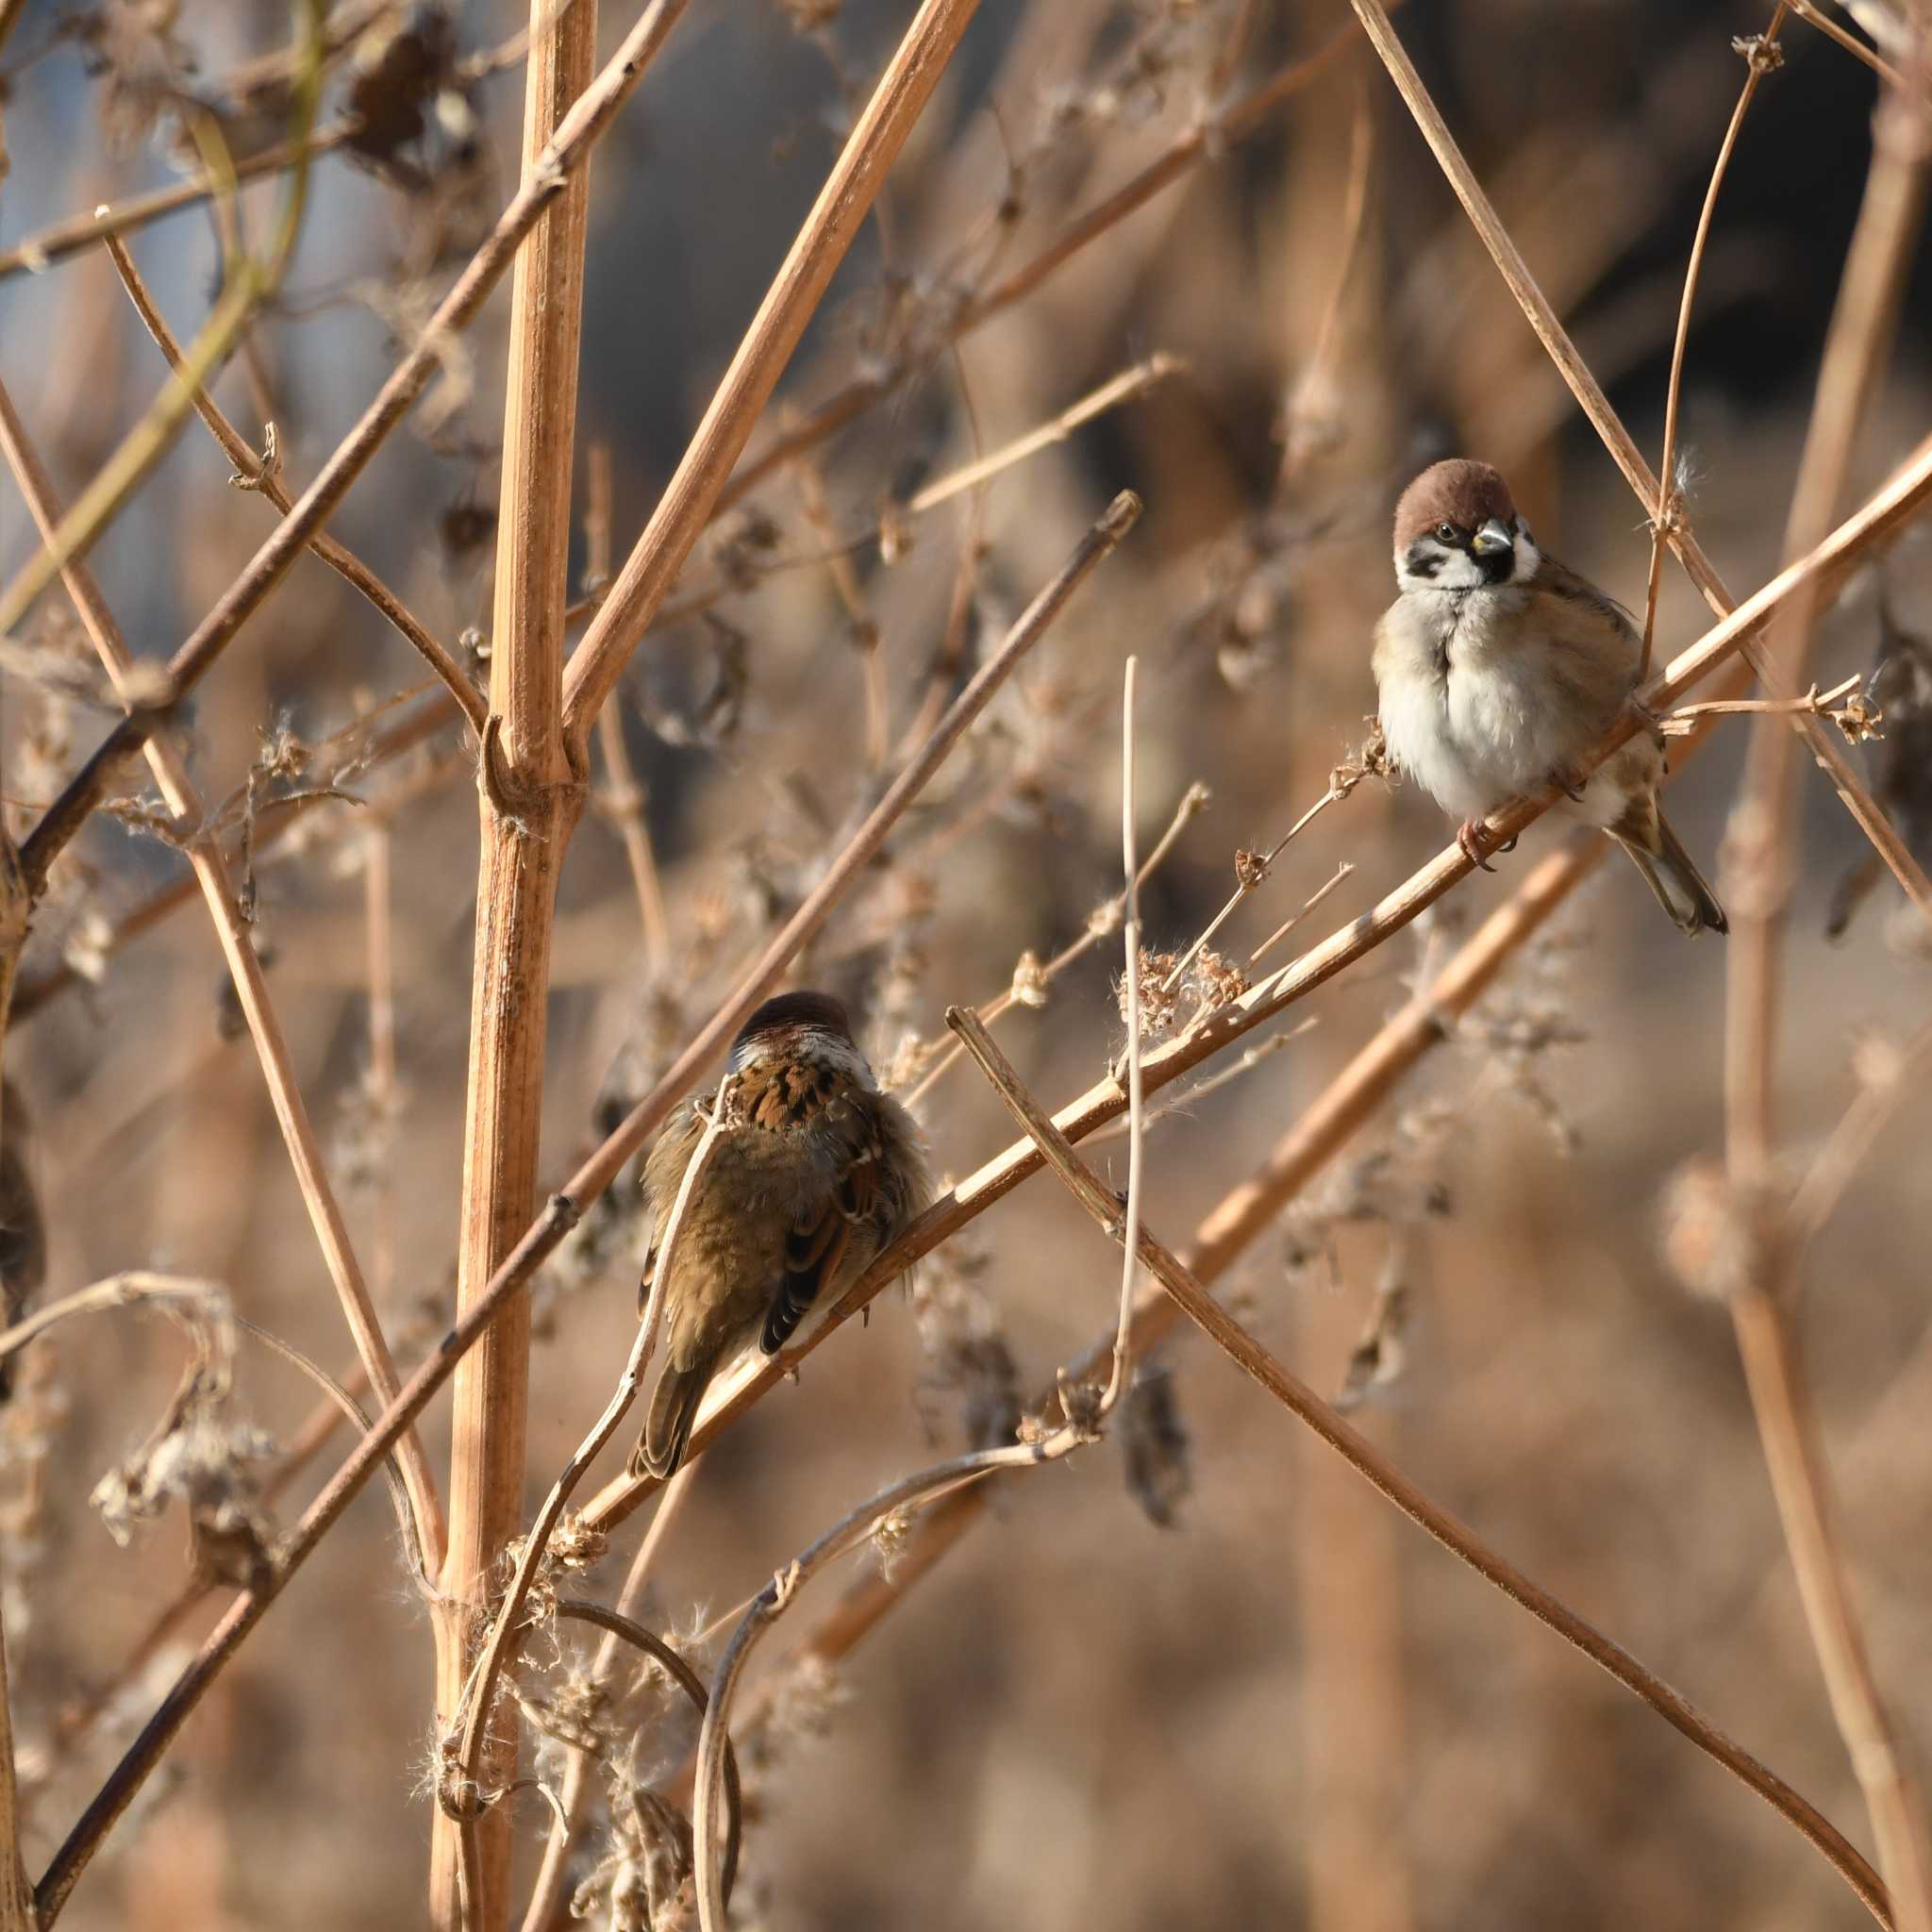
(16, 1896)
(530, 800)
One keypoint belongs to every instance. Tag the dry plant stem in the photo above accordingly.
(1850, 43)
(1819, 739)
(16, 1895)
(693, 490)
(260, 477)
(547, 1895)
(460, 1790)
(1343, 871)
(52, 981)
(1348, 1101)
(615, 1624)
(865, 845)
(561, 1214)
(1857, 347)
(1130, 943)
(248, 282)
(1100, 923)
(1818, 703)
(1251, 883)
(1759, 859)
(1124, 388)
(1802, 1486)
(1831, 563)
(779, 1594)
(623, 799)
(17, 1913)
(248, 1607)
(530, 793)
(1193, 1301)
(210, 869)
(1843, 1153)
(64, 238)
(69, 237)
(1664, 507)
(381, 1088)
(591, 117)
(1201, 143)
(1311, 406)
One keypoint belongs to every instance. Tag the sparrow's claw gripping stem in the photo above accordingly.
(1570, 781)
(1469, 836)
(1651, 720)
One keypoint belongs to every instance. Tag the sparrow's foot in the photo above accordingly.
(1570, 780)
(1652, 721)
(1469, 836)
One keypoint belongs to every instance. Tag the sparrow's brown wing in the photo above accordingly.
(1593, 648)
(1568, 583)
(818, 1244)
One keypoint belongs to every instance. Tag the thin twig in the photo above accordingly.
(1127, 387)
(591, 118)
(1831, 1170)
(614, 1624)
(622, 798)
(249, 283)
(779, 1594)
(1870, 817)
(1850, 43)
(561, 1214)
(740, 1389)
(1209, 137)
(254, 474)
(1130, 943)
(1342, 873)
(1454, 1534)
(546, 1894)
(1757, 860)
(459, 1790)
(1761, 56)
(1820, 703)
(61, 239)
(211, 870)
(1250, 871)
(694, 489)
(1102, 921)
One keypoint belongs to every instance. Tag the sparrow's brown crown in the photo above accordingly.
(1458, 491)
(788, 1010)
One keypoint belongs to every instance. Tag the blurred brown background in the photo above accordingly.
(1284, 1708)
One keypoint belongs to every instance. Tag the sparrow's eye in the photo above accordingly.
(1446, 532)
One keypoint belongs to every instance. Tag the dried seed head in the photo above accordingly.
(1029, 980)
(1714, 1237)
(1159, 1002)
(891, 1537)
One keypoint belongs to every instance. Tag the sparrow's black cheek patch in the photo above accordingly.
(1423, 561)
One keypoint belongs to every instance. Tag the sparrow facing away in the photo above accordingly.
(813, 1174)
(1498, 670)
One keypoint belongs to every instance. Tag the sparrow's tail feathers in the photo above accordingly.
(667, 1429)
(1670, 872)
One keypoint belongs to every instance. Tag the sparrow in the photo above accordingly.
(1498, 670)
(814, 1174)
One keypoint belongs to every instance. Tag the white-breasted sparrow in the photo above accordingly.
(1498, 670)
(813, 1174)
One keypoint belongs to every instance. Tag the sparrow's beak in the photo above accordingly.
(1493, 536)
